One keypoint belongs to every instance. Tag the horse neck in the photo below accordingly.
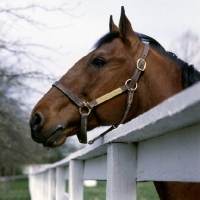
(161, 80)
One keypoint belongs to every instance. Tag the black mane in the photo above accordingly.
(109, 37)
(189, 73)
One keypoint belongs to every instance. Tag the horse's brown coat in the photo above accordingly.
(55, 117)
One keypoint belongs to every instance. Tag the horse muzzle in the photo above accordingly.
(51, 138)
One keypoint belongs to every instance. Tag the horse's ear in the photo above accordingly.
(125, 28)
(112, 25)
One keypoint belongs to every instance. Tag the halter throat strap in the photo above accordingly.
(86, 107)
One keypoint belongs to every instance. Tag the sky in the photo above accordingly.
(88, 20)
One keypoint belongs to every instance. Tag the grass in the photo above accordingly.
(14, 190)
(18, 190)
(96, 193)
(145, 191)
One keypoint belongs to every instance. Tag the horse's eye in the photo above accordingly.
(98, 62)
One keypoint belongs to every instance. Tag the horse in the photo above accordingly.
(126, 74)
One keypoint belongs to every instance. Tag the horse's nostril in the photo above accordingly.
(37, 121)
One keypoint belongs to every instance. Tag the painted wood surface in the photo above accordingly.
(95, 168)
(60, 183)
(171, 157)
(121, 172)
(76, 180)
(51, 184)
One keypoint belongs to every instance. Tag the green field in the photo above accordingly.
(18, 190)
(145, 191)
(14, 190)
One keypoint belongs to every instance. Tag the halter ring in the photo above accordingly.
(83, 107)
(126, 83)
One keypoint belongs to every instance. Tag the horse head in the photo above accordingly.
(108, 67)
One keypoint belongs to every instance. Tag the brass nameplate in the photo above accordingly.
(108, 96)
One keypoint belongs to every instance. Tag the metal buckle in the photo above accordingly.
(87, 112)
(143, 67)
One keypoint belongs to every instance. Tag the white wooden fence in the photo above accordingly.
(163, 144)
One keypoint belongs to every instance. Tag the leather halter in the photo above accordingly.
(86, 107)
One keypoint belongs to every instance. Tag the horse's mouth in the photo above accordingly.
(56, 139)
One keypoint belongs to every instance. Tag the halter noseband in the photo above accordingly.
(86, 107)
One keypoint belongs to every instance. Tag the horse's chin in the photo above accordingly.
(59, 136)
(56, 139)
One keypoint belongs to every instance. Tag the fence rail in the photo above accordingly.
(12, 178)
(160, 145)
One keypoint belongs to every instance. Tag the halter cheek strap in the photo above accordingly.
(86, 107)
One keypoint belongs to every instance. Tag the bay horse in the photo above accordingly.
(95, 90)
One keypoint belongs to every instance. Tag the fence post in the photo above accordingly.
(121, 172)
(51, 184)
(32, 188)
(60, 183)
(76, 180)
(45, 182)
(40, 186)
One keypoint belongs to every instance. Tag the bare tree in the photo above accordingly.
(187, 47)
(17, 55)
